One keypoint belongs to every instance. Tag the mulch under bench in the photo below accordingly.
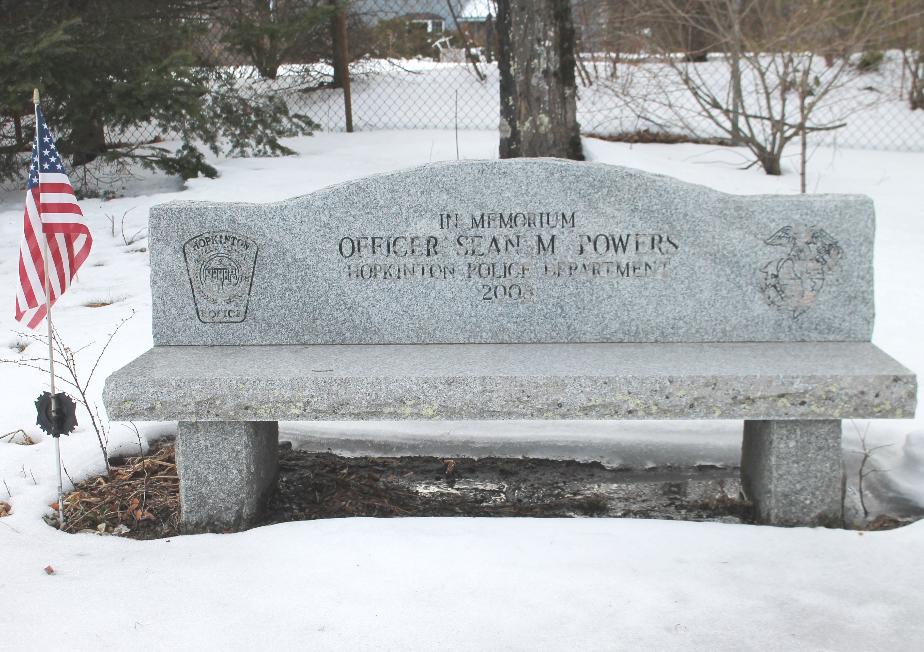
(324, 485)
(139, 498)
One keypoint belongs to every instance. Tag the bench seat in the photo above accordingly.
(779, 381)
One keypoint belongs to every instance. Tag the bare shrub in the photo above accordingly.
(127, 238)
(867, 465)
(758, 73)
(66, 358)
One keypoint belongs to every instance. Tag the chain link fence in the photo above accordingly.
(431, 64)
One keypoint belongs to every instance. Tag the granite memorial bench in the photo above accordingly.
(518, 289)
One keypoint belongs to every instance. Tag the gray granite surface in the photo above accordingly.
(463, 252)
(518, 289)
(225, 471)
(793, 380)
(793, 471)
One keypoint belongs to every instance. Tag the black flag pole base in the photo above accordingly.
(57, 413)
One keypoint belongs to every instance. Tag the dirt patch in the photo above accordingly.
(323, 485)
(662, 137)
(140, 497)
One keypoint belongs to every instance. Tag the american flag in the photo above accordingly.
(52, 210)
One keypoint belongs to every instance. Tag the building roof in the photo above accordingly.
(376, 10)
(424, 16)
(469, 11)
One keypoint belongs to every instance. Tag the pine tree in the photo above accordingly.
(271, 33)
(107, 67)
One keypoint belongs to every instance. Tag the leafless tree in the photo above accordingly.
(909, 17)
(784, 60)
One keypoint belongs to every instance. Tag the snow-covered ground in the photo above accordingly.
(460, 583)
(629, 96)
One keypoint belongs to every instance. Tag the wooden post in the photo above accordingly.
(342, 60)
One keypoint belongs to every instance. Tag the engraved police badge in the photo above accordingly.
(221, 267)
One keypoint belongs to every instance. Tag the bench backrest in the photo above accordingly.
(525, 250)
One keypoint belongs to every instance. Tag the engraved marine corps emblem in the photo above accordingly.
(221, 267)
(792, 283)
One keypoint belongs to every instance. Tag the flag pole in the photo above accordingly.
(51, 348)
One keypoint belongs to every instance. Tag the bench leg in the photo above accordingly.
(793, 471)
(226, 469)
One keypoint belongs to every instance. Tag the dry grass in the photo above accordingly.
(18, 436)
(102, 303)
(139, 495)
(19, 345)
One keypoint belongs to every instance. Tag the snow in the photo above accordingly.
(871, 106)
(471, 584)
(476, 10)
(462, 583)
(906, 471)
(627, 444)
(632, 95)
